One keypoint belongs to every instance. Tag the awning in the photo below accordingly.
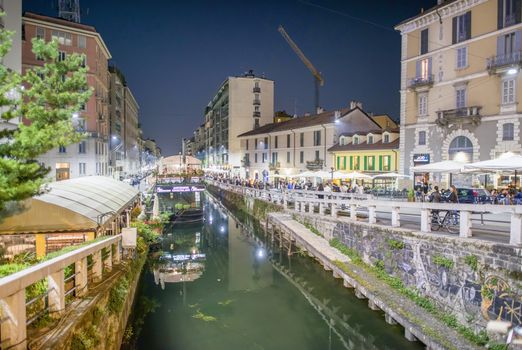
(446, 166)
(506, 164)
(81, 204)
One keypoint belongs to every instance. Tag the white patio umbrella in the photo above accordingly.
(507, 163)
(446, 166)
(355, 175)
(391, 175)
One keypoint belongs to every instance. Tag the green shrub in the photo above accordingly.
(395, 244)
(443, 261)
(117, 296)
(471, 261)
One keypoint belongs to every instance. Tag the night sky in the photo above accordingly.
(175, 54)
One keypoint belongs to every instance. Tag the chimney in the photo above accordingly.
(320, 110)
(354, 104)
(307, 114)
(337, 114)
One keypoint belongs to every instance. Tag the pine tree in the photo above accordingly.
(48, 98)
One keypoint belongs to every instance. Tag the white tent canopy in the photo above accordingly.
(511, 162)
(446, 166)
(391, 175)
(355, 175)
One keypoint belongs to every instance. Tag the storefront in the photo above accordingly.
(420, 159)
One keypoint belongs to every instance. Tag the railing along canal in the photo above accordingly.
(334, 202)
(14, 306)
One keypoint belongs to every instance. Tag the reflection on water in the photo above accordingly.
(224, 285)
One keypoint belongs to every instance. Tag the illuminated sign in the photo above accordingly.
(166, 189)
(421, 158)
(182, 257)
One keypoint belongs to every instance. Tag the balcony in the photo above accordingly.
(420, 82)
(466, 115)
(256, 89)
(257, 114)
(256, 102)
(315, 164)
(274, 166)
(503, 62)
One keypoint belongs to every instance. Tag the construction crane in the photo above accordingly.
(318, 79)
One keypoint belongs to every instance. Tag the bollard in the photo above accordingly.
(515, 237)
(56, 292)
(425, 220)
(13, 329)
(372, 216)
(80, 279)
(353, 212)
(97, 266)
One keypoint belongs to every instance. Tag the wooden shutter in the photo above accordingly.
(500, 14)
(380, 162)
(500, 45)
(467, 21)
(351, 162)
(344, 163)
(365, 163)
(454, 30)
(338, 162)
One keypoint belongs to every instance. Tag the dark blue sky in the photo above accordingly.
(175, 54)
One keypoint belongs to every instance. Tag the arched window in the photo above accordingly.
(508, 132)
(461, 149)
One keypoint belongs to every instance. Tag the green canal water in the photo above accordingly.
(224, 285)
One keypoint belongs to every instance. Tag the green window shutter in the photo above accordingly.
(338, 162)
(344, 161)
(365, 163)
(390, 163)
(351, 162)
(380, 162)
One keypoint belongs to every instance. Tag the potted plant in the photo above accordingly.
(411, 195)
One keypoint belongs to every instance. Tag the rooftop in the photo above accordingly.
(428, 11)
(60, 21)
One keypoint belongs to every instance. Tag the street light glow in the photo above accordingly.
(512, 71)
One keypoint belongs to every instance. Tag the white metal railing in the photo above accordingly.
(335, 201)
(13, 305)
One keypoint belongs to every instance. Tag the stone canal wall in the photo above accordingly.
(473, 279)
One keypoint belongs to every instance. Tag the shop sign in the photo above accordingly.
(421, 158)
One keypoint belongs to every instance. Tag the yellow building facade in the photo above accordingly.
(460, 82)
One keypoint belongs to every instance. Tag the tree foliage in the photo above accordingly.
(48, 97)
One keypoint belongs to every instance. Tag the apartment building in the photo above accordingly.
(299, 144)
(117, 121)
(460, 79)
(241, 104)
(91, 155)
(131, 163)
(12, 21)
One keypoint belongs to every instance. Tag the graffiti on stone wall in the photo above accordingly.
(460, 287)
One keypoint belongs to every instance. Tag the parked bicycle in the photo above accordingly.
(449, 222)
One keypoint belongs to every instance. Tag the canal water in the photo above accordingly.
(223, 285)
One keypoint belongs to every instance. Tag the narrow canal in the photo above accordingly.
(221, 285)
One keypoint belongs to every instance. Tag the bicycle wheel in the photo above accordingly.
(453, 223)
(435, 223)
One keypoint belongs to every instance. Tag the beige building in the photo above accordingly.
(460, 83)
(91, 155)
(241, 104)
(300, 144)
(131, 135)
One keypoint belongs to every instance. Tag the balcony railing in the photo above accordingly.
(257, 114)
(420, 82)
(508, 59)
(459, 115)
(257, 89)
(257, 102)
(315, 164)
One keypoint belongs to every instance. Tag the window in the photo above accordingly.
(266, 143)
(301, 157)
(460, 94)
(317, 138)
(355, 140)
(508, 132)
(274, 158)
(508, 14)
(462, 57)
(316, 155)
(82, 42)
(84, 61)
(255, 143)
(509, 43)
(288, 157)
(371, 163)
(461, 149)
(62, 37)
(62, 149)
(386, 163)
(247, 145)
(255, 157)
(355, 162)
(40, 33)
(264, 157)
(81, 168)
(423, 70)
(61, 56)
(508, 91)
(288, 141)
(386, 138)
(301, 139)
(256, 108)
(23, 31)
(424, 42)
(276, 142)
(423, 105)
(247, 159)
(461, 27)
(370, 139)
(422, 138)
(82, 147)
